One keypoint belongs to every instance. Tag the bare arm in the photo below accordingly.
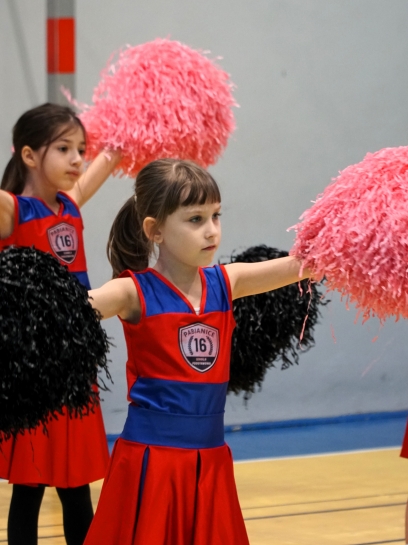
(252, 278)
(6, 214)
(95, 175)
(117, 298)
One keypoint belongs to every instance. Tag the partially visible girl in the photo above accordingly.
(42, 190)
(404, 454)
(170, 479)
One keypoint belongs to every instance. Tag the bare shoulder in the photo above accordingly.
(117, 297)
(7, 209)
(231, 271)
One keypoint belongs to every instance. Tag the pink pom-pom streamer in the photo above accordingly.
(160, 99)
(356, 235)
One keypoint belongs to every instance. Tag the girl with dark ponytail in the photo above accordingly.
(171, 468)
(42, 190)
(159, 189)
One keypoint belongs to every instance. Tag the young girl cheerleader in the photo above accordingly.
(43, 188)
(170, 479)
(404, 454)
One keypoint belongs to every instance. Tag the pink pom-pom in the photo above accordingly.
(160, 99)
(356, 234)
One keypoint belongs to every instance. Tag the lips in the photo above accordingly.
(74, 173)
(209, 248)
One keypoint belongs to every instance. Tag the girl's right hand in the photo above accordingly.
(117, 297)
(6, 214)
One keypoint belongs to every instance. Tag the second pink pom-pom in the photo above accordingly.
(161, 99)
(356, 234)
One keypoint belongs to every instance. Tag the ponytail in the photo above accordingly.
(160, 188)
(128, 247)
(14, 176)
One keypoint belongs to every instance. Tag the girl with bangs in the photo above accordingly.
(170, 479)
(42, 190)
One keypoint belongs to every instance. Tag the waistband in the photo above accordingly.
(173, 430)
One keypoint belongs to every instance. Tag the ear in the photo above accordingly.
(151, 230)
(28, 156)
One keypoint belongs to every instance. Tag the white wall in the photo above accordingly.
(319, 84)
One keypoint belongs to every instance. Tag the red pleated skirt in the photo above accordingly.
(154, 495)
(404, 449)
(73, 453)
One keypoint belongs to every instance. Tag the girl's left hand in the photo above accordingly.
(252, 278)
(95, 175)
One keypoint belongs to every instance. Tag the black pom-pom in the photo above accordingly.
(51, 342)
(269, 326)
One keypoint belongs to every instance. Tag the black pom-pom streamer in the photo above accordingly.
(269, 326)
(51, 342)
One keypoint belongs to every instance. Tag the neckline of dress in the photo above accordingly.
(59, 200)
(181, 294)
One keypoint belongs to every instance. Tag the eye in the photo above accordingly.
(81, 152)
(217, 215)
(195, 219)
(63, 148)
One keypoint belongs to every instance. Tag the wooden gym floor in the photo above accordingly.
(350, 498)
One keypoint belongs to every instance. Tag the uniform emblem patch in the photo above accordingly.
(199, 344)
(63, 240)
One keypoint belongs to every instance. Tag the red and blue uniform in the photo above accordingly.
(171, 478)
(404, 448)
(35, 224)
(74, 452)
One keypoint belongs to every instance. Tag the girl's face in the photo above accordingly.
(62, 163)
(191, 235)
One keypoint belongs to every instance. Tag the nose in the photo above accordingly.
(76, 158)
(212, 228)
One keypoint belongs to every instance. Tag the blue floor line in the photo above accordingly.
(301, 422)
(314, 436)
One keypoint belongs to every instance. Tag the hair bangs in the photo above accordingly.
(199, 190)
(67, 127)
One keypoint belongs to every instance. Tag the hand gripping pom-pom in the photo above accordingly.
(51, 342)
(160, 99)
(271, 327)
(356, 235)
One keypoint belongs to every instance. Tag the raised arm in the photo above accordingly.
(252, 278)
(95, 175)
(117, 298)
(6, 214)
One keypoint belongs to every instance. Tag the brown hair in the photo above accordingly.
(36, 128)
(160, 188)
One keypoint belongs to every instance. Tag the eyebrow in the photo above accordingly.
(68, 140)
(198, 208)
